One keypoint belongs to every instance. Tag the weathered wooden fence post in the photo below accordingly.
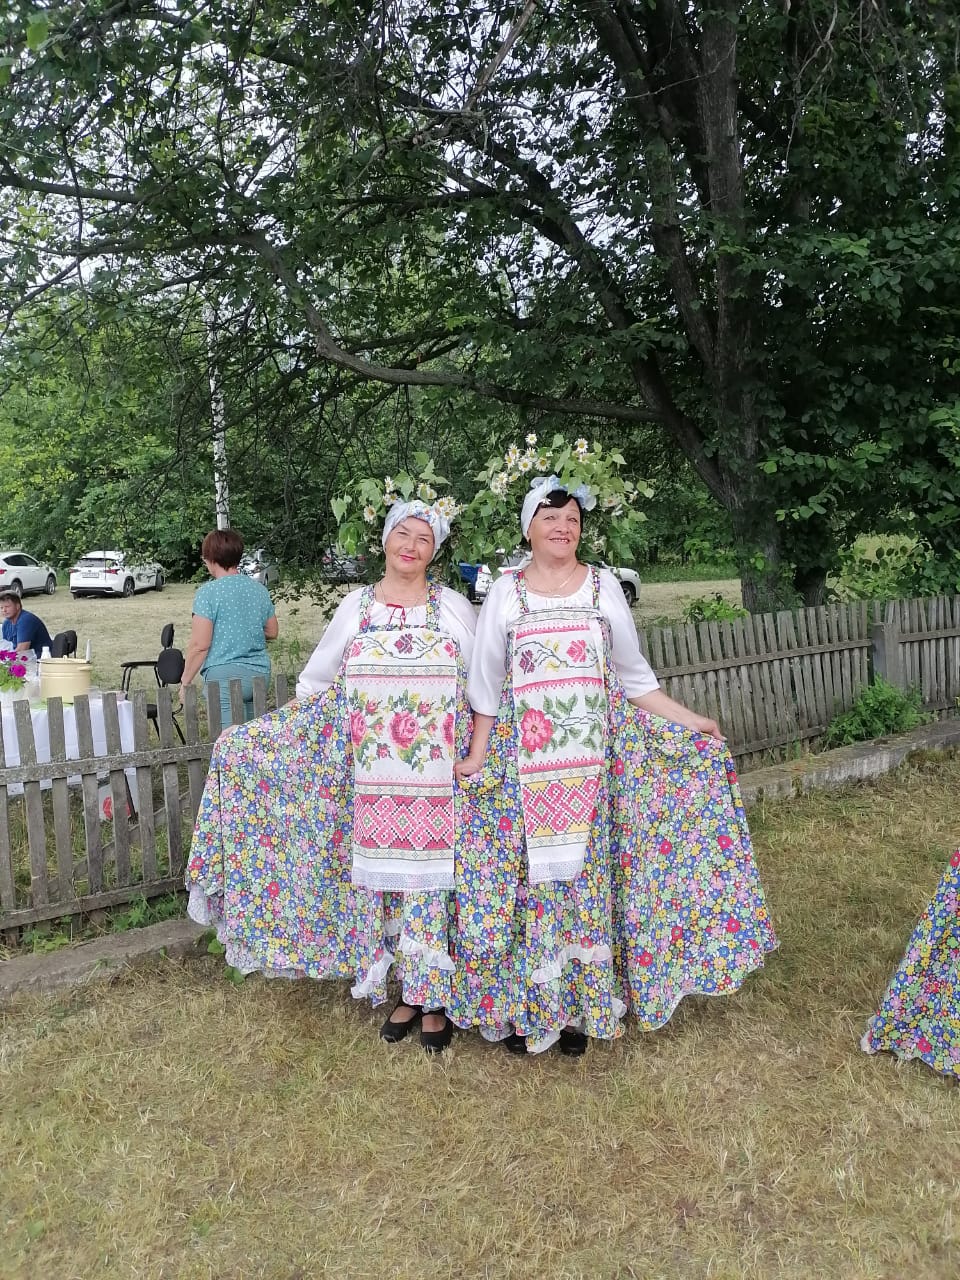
(886, 658)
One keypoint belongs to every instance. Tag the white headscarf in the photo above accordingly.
(541, 488)
(437, 521)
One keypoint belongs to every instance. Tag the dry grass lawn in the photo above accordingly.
(119, 629)
(170, 1125)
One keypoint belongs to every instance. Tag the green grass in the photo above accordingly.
(673, 572)
(170, 1125)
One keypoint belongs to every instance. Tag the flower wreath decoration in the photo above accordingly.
(490, 523)
(360, 512)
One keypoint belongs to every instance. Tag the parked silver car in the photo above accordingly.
(259, 564)
(338, 566)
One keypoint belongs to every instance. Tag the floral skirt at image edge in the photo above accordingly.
(919, 1016)
(270, 865)
(668, 902)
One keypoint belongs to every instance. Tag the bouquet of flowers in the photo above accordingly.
(13, 670)
(490, 523)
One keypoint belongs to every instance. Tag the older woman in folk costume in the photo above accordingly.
(919, 1015)
(324, 844)
(605, 864)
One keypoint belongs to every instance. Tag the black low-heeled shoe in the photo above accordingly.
(515, 1044)
(572, 1042)
(394, 1032)
(437, 1041)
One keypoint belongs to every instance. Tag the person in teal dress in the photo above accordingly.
(233, 618)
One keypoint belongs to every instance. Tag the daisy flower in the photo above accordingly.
(369, 513)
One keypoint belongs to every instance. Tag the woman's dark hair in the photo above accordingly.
(223, 547)
(559, 498)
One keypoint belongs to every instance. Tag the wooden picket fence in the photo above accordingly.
(776, 680)
(104, 828)
(100, 828)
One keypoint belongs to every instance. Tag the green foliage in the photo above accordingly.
(897, 568)
(879, 710)
(142, 911)
(884, 571)
(670, 570)
(68, 930)
(712, 609)
(372, 271)
(216, 948)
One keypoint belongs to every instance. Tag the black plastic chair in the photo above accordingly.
(63, 644)
(169, 670)
(127, 668)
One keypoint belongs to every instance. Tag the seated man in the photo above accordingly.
(21, 629)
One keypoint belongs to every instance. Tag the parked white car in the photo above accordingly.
(629, 580)
(23, 574)
(113, 573)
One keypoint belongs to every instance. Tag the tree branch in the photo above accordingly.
(335, 353)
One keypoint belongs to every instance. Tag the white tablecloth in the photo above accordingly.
(41, 735)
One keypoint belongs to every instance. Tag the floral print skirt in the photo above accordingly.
(271, 860)
(919, 1016)
(667, 904)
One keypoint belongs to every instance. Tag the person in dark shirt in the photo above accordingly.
(23, 630)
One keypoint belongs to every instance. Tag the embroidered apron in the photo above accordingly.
(560, 708)
(401, 687)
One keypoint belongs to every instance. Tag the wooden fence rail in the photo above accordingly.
(107, 815)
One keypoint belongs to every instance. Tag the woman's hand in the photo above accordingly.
(658, 704)
(700, 724)
(469, 765)
(472, 762)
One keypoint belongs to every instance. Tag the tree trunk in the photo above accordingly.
(757, 538)
(810, 583)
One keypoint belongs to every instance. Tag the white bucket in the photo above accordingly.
(64, 678)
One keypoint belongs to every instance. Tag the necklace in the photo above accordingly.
(419, 599)
(558, 590)
(398, 611)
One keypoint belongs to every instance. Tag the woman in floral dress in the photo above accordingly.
(606, 863)
(919, 1016)
(324, 844)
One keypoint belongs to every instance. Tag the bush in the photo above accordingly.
(882, 572)
(880, 709)
(712, 609)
